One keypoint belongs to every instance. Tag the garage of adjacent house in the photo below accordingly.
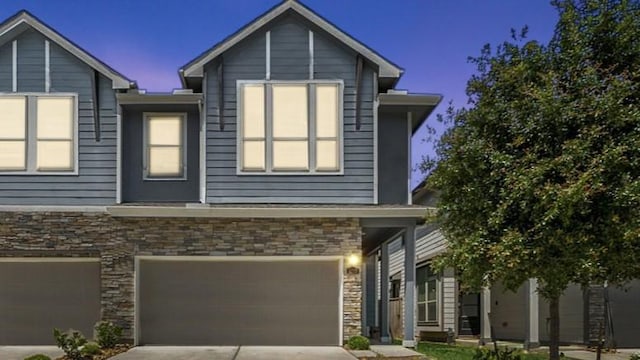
(38, 294)
(239, 300)
(625, 314)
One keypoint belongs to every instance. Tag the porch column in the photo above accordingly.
(532, 326)
(485, 316)
(384, 294)
(369, 294)
(409, 286)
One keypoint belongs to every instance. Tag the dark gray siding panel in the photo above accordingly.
(31, 62)
(393, 161)
(95, 183)
(289, 50)
(134, 188)
(246, 61)
(6, 67)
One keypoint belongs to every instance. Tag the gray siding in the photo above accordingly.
(6, 67)
(95, 183)
(430, 245)
(247, 61)
(134, 187)
(393, 159)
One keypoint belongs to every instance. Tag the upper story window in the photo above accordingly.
(38, 134)
(290, 127)
(164, 146)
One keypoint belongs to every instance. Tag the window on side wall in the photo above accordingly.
(38, 134)
(428, 295)
(290, 127)
(164, 146)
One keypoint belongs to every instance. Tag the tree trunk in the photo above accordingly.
(554, 331)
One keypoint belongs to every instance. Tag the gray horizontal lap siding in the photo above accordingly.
(289, 61)
(95, 183)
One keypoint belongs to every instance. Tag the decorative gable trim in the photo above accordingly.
(195, 68)
(24, 18)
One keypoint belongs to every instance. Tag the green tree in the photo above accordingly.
(540, 176)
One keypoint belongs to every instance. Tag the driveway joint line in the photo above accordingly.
(237, 352)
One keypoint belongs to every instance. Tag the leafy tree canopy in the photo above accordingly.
(540, 175)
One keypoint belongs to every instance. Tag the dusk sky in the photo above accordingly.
(148, 41)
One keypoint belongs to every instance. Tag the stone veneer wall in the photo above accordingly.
(117, 240)
(596, 313)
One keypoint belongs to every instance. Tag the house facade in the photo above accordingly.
(232, 211)
(444, 308)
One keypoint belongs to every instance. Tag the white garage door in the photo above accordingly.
(244, 301)
(37, 295)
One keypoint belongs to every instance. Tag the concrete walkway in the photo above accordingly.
(591, 355)
(234, 353)
(21, 352)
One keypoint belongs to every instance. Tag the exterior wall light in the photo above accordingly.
(353, 264)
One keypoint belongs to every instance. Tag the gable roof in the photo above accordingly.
(194, 68)
(22, 20)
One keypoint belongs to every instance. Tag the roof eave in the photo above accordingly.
(119, 81)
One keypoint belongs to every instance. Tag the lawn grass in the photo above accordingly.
(439, 351)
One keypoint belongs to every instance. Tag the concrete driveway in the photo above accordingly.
(235, 353)
(21, 352)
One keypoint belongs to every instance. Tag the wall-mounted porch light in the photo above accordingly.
(353, 264)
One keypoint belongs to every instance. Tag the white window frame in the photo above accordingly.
(426, 302)
(31, 134)
(145, 146)
(311, 108)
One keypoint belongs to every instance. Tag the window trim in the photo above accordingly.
(31, 123)
(438, 300)
(311, 108)
(145, 143)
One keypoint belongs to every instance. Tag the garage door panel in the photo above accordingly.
(625, 313)
(35, 297)
(284, 302)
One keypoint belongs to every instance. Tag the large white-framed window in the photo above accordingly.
(38, 133)
(165, 140)
(290, 127)
(428, 295)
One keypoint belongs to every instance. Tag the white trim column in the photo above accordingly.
(409, 286)
(532, 325)
(485, 316)
(384, 294)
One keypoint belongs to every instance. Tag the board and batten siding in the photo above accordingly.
(289, 59)
(95, 183)
(427, 247)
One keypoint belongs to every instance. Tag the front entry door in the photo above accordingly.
(469, 322)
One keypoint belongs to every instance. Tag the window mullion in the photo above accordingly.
(269, 128)
(311, 126)
(32, 133)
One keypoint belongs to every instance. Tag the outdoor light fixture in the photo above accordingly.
(353, 264)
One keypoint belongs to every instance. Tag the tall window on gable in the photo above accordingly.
(289, 127)
(164, 146)
(428, 295)
(38, 134)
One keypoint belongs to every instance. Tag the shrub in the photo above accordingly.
(358, 343)
(107, 334)
(70, 342)
(635, 356)
(500, 354)
(90, 348)
(38, 357)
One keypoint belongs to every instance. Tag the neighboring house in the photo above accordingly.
(521, 316)
(220, 214)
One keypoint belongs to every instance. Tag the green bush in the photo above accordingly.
(635, 356)
(38, 357)
(90, 348)
(501, 354)
(358, 343)
(70, 342)
(107, 334)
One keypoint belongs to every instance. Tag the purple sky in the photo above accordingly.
(148, 40)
